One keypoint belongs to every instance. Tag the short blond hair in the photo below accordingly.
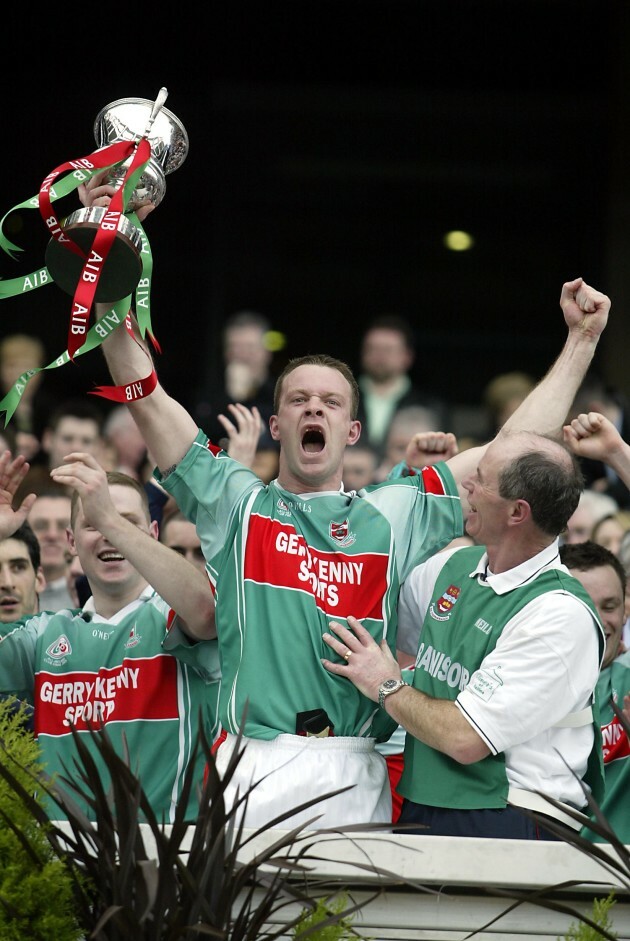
(114, 478)
(319, 359)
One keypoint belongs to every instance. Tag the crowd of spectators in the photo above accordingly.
(392, 409)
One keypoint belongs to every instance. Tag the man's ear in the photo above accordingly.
(520, 512)
(273, 428)
(71, 542)
(40, 580)
(354, 433)
(154, 530)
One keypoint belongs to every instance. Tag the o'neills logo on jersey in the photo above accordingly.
(341, 584)
(441, 609)
(284, 507)
(341, 533)
(59, 648)
(141, 689)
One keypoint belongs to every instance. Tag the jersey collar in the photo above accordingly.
(520, 574)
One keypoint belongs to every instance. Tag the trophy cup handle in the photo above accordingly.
(129, 119)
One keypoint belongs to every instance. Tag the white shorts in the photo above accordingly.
(292, 769)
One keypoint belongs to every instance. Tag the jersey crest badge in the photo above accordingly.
(134, 638)
(283, 509)
(59, 648)
(440, 610)
(340, 532)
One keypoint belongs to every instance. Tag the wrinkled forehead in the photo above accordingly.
(249, 335)
(499, 454)
(130, 503)
(384, 338)
(510, 446)
(72, 425)
(180, 531)
(12, 550)
(316, 380)
(127, 501)
(50, 508)
(600, 581)
(494, 456)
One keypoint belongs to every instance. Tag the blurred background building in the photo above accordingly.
(451, 163)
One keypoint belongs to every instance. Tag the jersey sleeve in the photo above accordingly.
(545, 665)
(202, 655)
(208, 485)
(424, 512)
(18, 656)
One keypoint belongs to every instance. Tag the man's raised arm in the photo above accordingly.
(182, 585)
(591, 435)
(167, 428)
(545, 409)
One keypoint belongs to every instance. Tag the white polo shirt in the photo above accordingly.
(548, 661)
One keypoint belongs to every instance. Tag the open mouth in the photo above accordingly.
(110, 555)
(313, 441)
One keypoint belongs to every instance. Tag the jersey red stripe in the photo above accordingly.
(341, 583)
(433, 483)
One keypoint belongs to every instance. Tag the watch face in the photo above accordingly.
(387, 687)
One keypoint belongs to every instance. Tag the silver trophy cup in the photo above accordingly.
(125, 119)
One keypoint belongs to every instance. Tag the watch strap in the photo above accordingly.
(384, 693)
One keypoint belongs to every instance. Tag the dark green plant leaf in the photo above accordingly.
(197, 878)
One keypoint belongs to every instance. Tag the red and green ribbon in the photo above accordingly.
(106, 233)
(81, 337)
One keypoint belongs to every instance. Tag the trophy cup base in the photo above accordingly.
(122, 269)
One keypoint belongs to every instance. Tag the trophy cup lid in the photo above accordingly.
(126, 119)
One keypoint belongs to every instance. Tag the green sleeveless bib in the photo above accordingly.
(462, 626)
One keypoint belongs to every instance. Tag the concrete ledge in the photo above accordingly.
(446, 888)
(459, 884)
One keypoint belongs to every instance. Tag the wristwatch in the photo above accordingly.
(389, 687)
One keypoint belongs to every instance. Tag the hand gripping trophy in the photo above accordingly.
(102, 254)
(132, 120)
